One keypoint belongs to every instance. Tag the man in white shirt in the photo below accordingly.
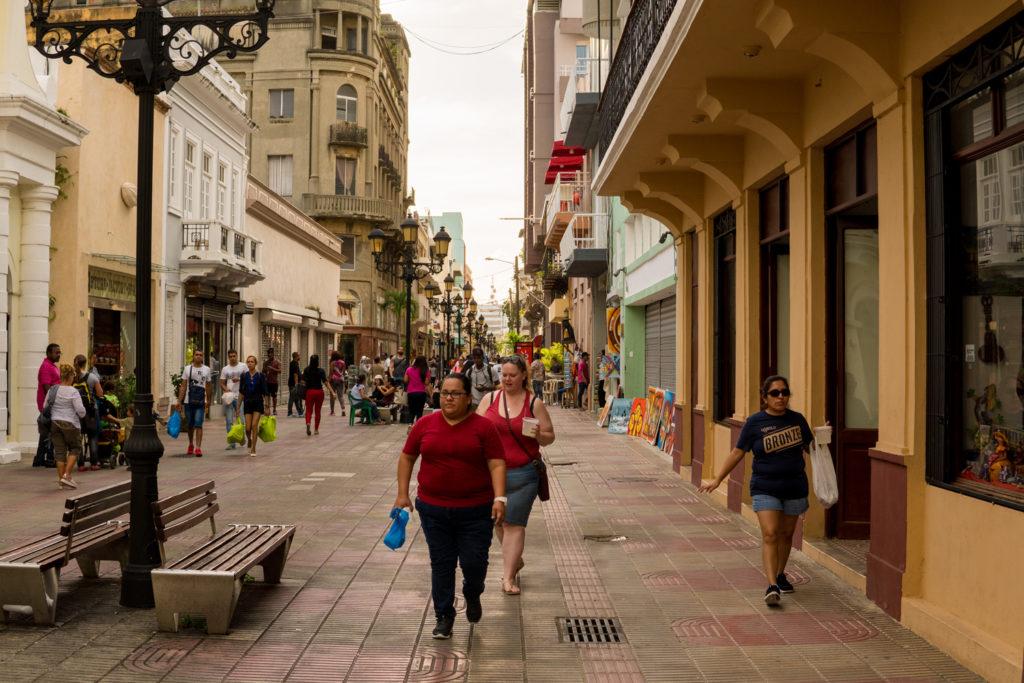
(482, 376)
(193, 400)
(230, 379)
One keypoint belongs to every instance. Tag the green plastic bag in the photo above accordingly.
(237, 433)
(268, 428)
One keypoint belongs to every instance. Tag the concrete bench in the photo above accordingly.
(208, 580)
(89, 532)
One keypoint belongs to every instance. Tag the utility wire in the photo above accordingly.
(451, 49)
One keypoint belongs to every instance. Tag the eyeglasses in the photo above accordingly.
(775, 393)
(452, 394)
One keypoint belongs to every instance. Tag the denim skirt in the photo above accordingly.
(521, 489)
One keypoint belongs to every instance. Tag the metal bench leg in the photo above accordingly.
(273, 566)
(210, 594)
(26, 586)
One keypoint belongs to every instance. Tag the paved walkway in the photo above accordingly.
(684, 584)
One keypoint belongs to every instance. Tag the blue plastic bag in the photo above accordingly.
(174, 425)
(395, 537)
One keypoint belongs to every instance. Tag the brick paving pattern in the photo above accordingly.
(622, 537)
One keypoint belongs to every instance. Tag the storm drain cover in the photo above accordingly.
(591, 630)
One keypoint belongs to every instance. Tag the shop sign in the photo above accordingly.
(107, 284)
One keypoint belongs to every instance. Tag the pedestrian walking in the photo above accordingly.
(272, 373)
(460, 499)
(66, 413)
(537, 376)
(417, 380)
(230, 378)
(365, 365)
(48, 376)
(91, 390)
(193, 399)
(315, 380)
(583, 381)
(482, 376)
(296, 391)
(337, 379)
(778, 437)
(253, 388)
(399, 366)
(523, 425)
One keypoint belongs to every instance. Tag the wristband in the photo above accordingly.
(501, 499)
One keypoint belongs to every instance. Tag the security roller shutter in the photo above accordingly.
(660, 344)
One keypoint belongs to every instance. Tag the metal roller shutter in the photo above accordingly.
(652, 344)
(660, 344)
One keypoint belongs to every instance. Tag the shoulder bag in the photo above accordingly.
(45, 419)
(543, 485)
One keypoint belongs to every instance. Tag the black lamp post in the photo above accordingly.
(150, 51)
(402, 262)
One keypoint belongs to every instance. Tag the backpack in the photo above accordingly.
(82, 385)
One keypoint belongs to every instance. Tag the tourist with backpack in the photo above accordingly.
(90, 389)
(193, 398)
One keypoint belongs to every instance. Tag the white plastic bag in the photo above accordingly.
(826, 488)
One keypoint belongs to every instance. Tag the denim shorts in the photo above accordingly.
(194, 414)
(521, 489)
(792, 507)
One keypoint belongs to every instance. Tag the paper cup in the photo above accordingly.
(823, 435)
(530, 427)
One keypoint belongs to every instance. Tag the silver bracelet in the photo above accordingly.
(501, 499)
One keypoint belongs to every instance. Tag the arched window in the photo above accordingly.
(346, 104)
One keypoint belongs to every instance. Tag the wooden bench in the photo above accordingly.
(208, 580)
(89, 532)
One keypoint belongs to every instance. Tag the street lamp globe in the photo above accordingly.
(410, 229)
(449, 282)
(467, 290)
(472, 306)
(377, 238)
(457, 300)
(433, 290)
(442, 240)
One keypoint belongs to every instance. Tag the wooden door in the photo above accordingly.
(853, 368)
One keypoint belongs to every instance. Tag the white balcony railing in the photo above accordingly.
(568, 195)
(585, 231)
(587, 75)
(212, 246)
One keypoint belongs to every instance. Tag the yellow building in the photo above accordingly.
(92, 285)
(845, 185)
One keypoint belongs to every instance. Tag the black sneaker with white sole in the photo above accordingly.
(474, 610)
(443, 629)
(783, 583)
(772, 595)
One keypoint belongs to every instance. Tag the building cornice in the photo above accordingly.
(31, 119)
(268, 206)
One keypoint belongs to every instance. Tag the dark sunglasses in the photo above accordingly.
(775, 393)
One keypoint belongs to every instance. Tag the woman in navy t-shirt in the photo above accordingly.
(778, 438)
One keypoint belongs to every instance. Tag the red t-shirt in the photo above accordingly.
(519, 450)
(453, 470)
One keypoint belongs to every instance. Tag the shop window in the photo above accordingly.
(974, 121)
(774, 231)
(282, 104)
(725, 315)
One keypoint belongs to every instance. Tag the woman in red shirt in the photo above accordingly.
(461, 497)
(506, 409)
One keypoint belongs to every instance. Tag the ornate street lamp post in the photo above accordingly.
(151, 51)
(402, 262)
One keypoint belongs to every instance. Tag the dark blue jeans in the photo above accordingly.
(456, 535)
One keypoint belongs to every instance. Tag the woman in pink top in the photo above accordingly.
(417, 378)
(506, 409)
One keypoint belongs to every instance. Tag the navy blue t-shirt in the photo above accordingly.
(778, 443)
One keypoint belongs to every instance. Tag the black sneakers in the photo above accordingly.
(443, 629)
(772, 596)
(783, 583)
(474, 610)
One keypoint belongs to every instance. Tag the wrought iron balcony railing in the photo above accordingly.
(346, 133)
(644, 26)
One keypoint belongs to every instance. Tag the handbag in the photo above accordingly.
(45, 419)
(543, 484)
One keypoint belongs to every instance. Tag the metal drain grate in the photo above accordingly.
(591, 630)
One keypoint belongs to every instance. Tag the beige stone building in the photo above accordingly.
(330, 96)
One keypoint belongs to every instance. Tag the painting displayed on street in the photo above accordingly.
(665, 424)
(669, 442)
(637, 416)
(655, 403)
(618, 419)
(602, 418)
(614, 323)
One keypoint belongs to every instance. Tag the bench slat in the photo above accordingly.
(169, 515)
(90, 508)
(50, 552)
(242, 538)
(239, 546)
(225, 537)
(166, 503)
(98, 494)
(105, 515)
(254, 552)
(167, 532)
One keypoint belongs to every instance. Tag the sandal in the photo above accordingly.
(509, 587)
(515, 578)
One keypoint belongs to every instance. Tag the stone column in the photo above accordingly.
(8, 181)
(32, 326)
(316, 137)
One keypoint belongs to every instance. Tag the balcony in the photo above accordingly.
(584, 246)
(219, 255)
(568, 195)
(345, 134)
(348, 206)
(579, 106)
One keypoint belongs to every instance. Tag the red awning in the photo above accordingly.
(566, 163)
(558, 149)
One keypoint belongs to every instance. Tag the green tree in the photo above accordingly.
(395, 301)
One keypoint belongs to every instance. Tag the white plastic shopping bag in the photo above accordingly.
(826, 488)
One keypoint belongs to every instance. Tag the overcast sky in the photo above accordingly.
(466, 124)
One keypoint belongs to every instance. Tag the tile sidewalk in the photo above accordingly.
(685, 583)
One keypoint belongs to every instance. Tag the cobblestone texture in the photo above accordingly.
(685, 582)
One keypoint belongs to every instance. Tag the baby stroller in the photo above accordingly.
(111, 435)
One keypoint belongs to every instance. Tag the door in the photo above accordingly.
(853, 368)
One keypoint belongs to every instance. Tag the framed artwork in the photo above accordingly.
(618, 419)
